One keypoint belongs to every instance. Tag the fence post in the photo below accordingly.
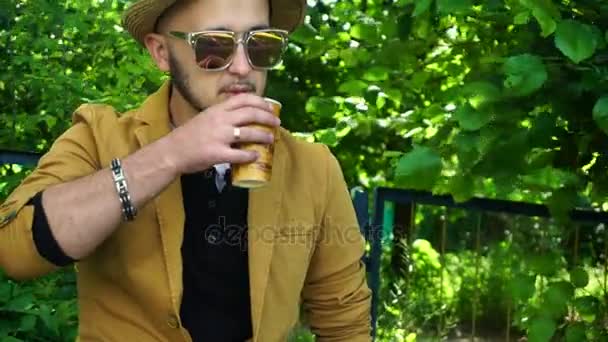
(376, 255)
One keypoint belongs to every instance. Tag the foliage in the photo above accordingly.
(44, 310)
(497, 275)
(500, 92)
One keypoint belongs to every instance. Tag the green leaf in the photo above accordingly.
(5, 292)
(353, 57)
(588, 307)
(332, 54)
(600, 43)
(461, 187)
(419, 169)
(549, 177)
(28, 323)
(342, 129)
(470, 119)
(49, 320)
(545, 13)
(576, 332)
(422, 27)
(600, 114)
(381, 102)
(542, 130)
(51, 121)
(481, 94)
(349, 57)
(467, 149)
(366, 32)
(395, 95)
(575, 40)
(420, 79)
(543, 264)
(556, 299)
(422, 6)
(344, 37)
(316, 49)
(561, 202)
(365, 127)
(321, 106)
(390, 28)
(502, 153)
(376, 73)
(6, 327)
(541, 330)
(404, 26)
(454, 6)
(21, 302)
(522, 287)
(353, 88)
(327, 137)
(541, 160)
(547, 24)
(522, 18)
(304, 34)
(579, 277)
(525, 74)
(10, 339)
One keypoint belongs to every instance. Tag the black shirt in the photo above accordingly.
(216, 301)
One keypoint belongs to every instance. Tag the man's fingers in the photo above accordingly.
(249, 135)
(236, 156)
(249, 115)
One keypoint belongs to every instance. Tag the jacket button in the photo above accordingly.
(172, 322)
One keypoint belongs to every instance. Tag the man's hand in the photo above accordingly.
(208, 138)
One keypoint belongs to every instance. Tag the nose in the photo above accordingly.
(240, 65)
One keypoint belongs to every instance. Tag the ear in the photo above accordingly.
(158, 48)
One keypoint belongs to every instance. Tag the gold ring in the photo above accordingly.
(237, 133)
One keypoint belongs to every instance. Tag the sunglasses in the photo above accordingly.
(214, 50)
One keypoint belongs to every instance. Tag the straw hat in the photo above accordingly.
(140, 18)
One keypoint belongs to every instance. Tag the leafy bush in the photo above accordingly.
(44, 310)
(524, 288)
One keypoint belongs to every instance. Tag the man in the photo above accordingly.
(165, 250)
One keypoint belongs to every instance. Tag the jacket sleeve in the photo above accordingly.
(72, 155)
(336, 297)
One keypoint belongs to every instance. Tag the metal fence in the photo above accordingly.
(410, 201)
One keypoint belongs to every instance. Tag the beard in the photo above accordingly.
(179, 80)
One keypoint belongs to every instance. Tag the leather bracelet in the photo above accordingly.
(128, 210)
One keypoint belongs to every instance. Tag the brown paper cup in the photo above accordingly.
(257, 174)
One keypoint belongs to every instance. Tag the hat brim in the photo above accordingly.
(140, 18)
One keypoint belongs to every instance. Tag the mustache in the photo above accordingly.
(244, 85)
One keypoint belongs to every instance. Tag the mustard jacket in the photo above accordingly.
(304, 241)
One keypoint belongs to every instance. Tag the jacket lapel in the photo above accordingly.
(154, 114)
(264, 209)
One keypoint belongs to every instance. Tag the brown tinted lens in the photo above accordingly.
(265, 49)
(214, 50)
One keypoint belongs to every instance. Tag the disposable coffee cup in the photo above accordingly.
(257, 174)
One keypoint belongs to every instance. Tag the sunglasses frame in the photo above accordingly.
(191, 39)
